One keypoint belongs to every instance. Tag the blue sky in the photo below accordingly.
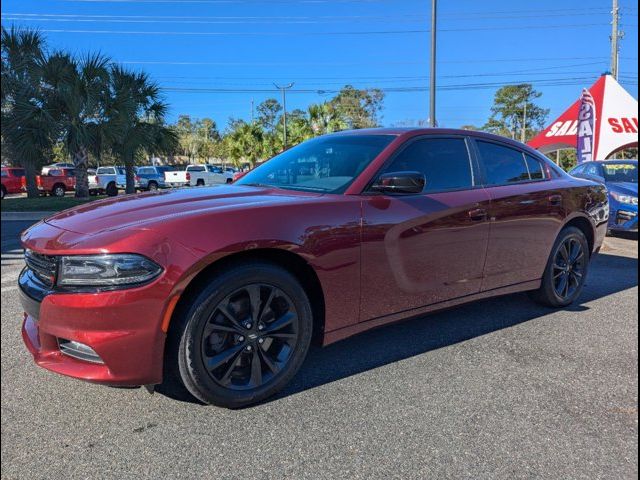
(199, 50)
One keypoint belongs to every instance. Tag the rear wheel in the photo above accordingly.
(566, 270)
(200, 183)
(244, 336)
(229, 180)
(3, 191)
(152, 186)
(58, 190)
(111, 190)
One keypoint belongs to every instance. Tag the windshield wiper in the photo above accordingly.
(263, 185)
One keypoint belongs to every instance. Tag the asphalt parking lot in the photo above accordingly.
(498, 389)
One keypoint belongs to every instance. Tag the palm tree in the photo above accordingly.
(135, 115)
(76, 93)
(28, 124)
(246, 142)
(325, 118)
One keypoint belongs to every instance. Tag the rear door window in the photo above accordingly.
(502, 165)
(536, 169)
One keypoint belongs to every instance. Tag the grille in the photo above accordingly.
(43, 267)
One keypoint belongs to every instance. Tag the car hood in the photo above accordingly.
(623, 188)
(147, 209)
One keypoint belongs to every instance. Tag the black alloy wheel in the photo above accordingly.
(250, 336)
(566, 270)
(569, 268)
(243, 336)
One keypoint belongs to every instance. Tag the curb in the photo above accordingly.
(24, 216)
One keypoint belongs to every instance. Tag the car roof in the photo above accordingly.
(419, 131)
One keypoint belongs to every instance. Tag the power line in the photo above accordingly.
(282, 20)
(420, 88)
(314, 34)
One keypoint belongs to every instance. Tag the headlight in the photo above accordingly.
(626, 199)
(117, 270)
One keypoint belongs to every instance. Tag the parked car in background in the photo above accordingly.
(152, 177)
(222, 289)
(109, 180)
(11, 180)
(45, 169)
(621, 179)
(199, 176)
(56, 182)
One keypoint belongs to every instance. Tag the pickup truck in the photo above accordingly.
(152, 177)
(108, 180)
(198, 175)
(57, 182)
(12, 178)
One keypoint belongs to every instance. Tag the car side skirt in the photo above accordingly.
(346, 332)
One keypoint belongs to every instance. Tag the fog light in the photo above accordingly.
(78, 350)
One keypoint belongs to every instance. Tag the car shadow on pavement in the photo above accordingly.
(609, 274)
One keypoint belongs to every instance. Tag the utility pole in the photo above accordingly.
(252, 116)
(284, 89)
(432, 86)
(523, 136)
(616, 35)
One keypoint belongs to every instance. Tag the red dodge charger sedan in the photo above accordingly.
(223, 289)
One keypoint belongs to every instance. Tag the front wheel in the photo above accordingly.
(566, 271)
(244, 336)
(152, 186)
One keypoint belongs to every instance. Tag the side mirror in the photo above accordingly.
(400, 182)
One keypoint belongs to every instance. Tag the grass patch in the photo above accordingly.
(43, 204)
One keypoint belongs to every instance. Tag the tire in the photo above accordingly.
(152, 186)
(58, 190)
(568, 262)
(3, 192)
(111, 190)
(229, 180)
(200, 183)
(274, 347)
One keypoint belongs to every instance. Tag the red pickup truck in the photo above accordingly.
(12, 180)
(56, 182)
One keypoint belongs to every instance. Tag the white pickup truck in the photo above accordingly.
(108, 180)
(199, 176)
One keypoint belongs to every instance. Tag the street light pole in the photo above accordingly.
(284, 89)
(432, 87)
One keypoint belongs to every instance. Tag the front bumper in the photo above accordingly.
(624, 218)
(123, 327)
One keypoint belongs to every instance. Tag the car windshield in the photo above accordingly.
(621, 172)
(326, 164)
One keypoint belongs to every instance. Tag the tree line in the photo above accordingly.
(57, 107)
(247, 142)
(87, 106)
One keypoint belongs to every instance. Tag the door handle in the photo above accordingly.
(478, 214)
(555, 200)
